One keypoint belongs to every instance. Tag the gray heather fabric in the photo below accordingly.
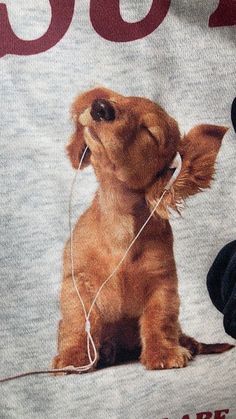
(190, 70)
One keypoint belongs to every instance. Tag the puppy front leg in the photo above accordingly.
(159, 330)
(72, 337)
(73, 345)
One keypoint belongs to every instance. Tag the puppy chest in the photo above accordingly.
(132, 287)
(119, 232)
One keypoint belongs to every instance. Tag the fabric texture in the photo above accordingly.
(189, 69)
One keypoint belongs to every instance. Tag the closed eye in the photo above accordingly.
(150, 131)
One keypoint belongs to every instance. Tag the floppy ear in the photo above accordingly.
(198, 149)
(77, 145)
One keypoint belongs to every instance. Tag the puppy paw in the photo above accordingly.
(57, 364)
(70, 358)
(190, 343)
(166, 358)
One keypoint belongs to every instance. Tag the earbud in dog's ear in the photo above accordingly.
(177, 165)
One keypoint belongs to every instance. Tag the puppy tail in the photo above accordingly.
(214, 348)
(196, 347)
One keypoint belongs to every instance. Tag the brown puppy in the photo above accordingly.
(132, 142)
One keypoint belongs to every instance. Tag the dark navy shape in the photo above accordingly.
(233, 113)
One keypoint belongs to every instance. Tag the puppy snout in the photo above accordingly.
(102, 110)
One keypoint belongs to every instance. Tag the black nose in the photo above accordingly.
(102, 110)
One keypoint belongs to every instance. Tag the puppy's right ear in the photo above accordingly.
(77, 145)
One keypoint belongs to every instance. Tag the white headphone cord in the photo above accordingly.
(70, 369)
(93, 360)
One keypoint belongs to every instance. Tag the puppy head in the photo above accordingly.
(135, 141)
(132, 138)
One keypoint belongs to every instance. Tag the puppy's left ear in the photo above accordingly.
(198, 150)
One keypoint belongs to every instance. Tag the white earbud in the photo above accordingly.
(177, 165)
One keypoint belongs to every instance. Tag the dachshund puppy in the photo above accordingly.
(131, 144)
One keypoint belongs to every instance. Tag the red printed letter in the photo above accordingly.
(108, 23)
(204, 415)
(218, 414)
(225, 14)
(62, 13)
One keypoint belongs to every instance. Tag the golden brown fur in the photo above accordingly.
(139, 307)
